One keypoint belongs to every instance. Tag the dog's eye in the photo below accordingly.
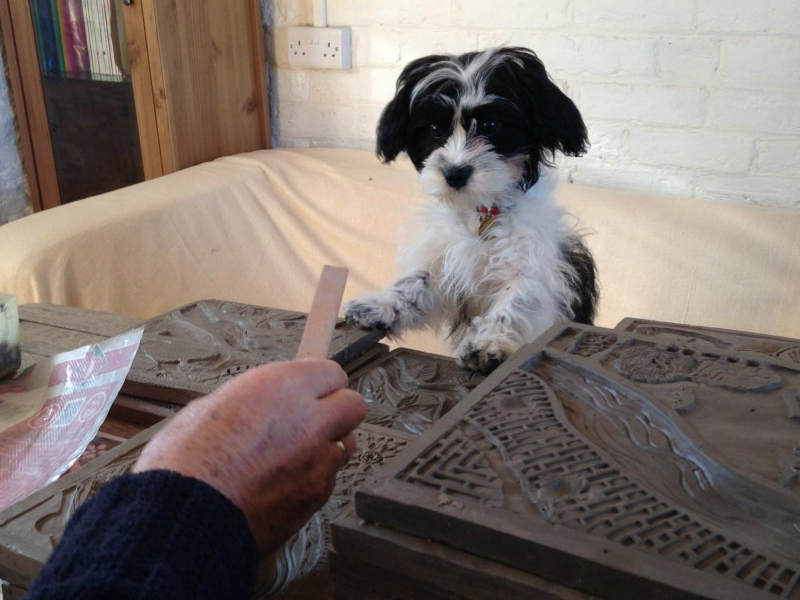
(438, 132)
(488, 126)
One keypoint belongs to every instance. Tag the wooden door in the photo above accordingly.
(201, 91)
(192, 89)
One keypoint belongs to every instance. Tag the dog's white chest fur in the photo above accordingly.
(517, 262)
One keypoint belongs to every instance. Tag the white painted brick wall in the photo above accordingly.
(689, 97)
(635, 16)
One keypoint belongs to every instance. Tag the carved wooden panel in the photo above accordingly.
(301, 570)
(787, 349)
(190, 351)
(408, 390)
(30, 530)
(371, 562)
(618, 464)
(217, 337)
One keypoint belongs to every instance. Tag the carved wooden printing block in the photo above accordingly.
(188, 352)
(628, 466)
(407, 391)
(710, 339)
(673, 452)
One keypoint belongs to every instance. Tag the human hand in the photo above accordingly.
(267, 440)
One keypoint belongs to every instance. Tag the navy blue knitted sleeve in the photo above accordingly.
(152, 535)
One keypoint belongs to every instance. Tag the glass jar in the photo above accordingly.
(10, 355)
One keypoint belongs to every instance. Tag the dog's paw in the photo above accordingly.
(478, 359)
(483, 349)
(370, 313)
(482, 359)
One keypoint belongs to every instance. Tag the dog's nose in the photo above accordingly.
(457, 177)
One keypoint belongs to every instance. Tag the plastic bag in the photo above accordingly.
(51, 411)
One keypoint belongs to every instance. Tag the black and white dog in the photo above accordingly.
(494, 262)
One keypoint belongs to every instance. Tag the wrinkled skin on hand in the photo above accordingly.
(266, 440)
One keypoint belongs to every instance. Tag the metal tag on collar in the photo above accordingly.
(486, 218)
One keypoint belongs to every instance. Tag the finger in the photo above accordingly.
(340, 413)
(318, 376)
(307, 378)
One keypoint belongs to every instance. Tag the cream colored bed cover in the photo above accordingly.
(258, 227)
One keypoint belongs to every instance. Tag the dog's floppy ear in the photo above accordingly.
(558, 121)
(393, 125)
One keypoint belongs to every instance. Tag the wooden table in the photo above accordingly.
(46, 330)
(651, 460)
(431, 385)
(677, 369)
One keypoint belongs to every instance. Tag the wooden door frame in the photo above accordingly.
(27, 98)
(136, 16)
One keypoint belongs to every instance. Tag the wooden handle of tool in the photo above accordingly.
(316, 340)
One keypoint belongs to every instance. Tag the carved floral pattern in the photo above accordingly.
(409, 391)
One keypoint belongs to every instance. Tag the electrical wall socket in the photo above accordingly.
(320, 47)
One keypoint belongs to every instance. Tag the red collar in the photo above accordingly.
(494, 211)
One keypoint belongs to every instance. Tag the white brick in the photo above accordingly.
(542, 43)
(765, 191)
(397, 13)
(780, 158)
(567, 56)
(688, 59)
(291, 84)
(317, 120)
(769, 63)
(337, 87)
(331, 86)
(742, 16)
(768, 112)
(377, 85)
(281, 14)
(367, 122)
(607, 141)
(377, 47)
(533, 14)
(288, 142)
(278, 46)
(637, 178)
(349, 142)
(415, 44)
(635, 15)
(609, 55)
(692, 149)
(648, 104)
